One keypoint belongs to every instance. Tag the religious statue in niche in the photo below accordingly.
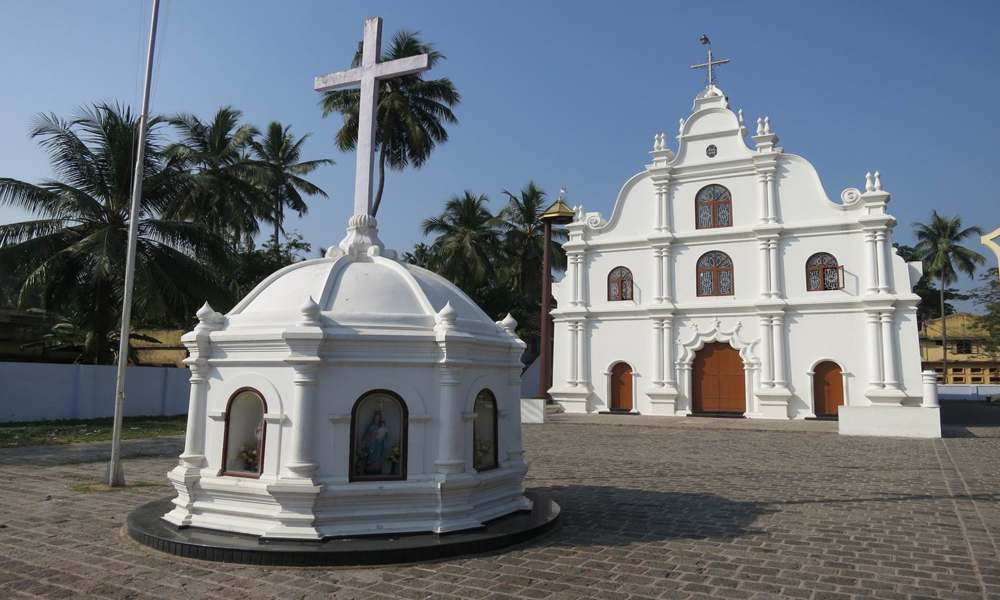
(245, 434)
(379, 420)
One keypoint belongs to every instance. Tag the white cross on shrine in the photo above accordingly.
(710, 63)
(368, 74)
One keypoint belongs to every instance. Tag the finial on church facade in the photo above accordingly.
(878, 181)
(869, 185)
(656, 142)
(446, 317)
(767, 125)
(760, 126)
(740, 115)
(509, 324)
(681, 128)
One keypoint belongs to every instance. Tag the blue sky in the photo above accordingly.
(566, 93)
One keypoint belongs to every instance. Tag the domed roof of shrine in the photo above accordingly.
(360, 291)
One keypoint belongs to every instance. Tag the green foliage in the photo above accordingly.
(204, 197)
(71, 260)
(37, 433)
(496, 260)
(250, 265)
(929, 307)
(411, 115)
(987, 298)
(940, 247)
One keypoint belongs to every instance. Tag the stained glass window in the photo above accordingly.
(714, 207)
(715, 274)
(823, 273)
(484, 432)
(620, 284)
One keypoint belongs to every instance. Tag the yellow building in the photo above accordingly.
(169, 352)
(968, 361)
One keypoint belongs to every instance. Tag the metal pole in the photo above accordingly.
(545, 370)
(116, 476)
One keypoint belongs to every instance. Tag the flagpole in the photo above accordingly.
(116, 476)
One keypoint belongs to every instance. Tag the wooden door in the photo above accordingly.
(828, 388)
(717, 380)
(621, 387)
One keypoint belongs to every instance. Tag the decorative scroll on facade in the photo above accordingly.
(714, 205)
(715, 274)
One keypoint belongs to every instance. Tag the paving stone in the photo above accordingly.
(688, 509)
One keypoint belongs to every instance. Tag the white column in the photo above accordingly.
(667, 281)
(194, 439)
(659, 208)
(874, 352)
(578, 279)
(762, 197)
(581, 353)
(668, 351)
(451, 433)
(765, 268)
(930, 399)
(658, 352)
(302, 459)
(883, 277)
(778, 327)
(766, 360)
(775, 272)
(666, 223)
(573, 349)
(888, 351)
(772, 202)
(658, 274)
(885, 259)
(872, 279)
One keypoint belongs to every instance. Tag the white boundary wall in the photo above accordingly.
(954, 391)
(43, 391)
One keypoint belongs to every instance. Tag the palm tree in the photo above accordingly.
(279, 151)
(940, 247)
(223, 195)
(467, 241)
(411, 111)
(524, 240)
(421, 256)
(71, 259)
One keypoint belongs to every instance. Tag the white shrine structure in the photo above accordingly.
(726, 282)
(353, 394)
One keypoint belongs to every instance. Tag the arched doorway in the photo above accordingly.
(621, 387)
(717, 380)
(828, 389)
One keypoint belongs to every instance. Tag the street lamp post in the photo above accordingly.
(559, 214)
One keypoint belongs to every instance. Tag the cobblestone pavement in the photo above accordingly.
(648, 512)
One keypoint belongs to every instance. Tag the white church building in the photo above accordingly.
(725, 281)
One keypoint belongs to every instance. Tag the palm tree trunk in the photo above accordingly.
(381, 182)
(277, 226)
(944, 336)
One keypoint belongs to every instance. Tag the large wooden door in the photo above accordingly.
(621, 387)
(717, 380)
(828, 388)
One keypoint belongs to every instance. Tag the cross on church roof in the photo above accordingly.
(371, 70)
(710, 63)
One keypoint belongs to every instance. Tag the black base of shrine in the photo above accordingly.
(823, 418)
(146, 526)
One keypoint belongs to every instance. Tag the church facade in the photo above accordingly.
(725, 281)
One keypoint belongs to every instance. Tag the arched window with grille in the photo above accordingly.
(484, 432)
(823, 273)
(715, 274)
(714, 207)
(620, 284)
